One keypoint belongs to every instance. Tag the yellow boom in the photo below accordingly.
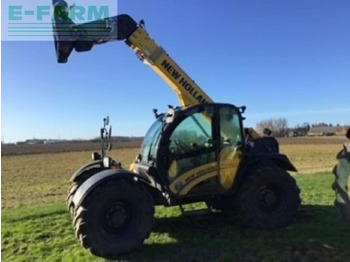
(189, 93)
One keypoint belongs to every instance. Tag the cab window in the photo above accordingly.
(191, 143)
(230, 126)
(150, 142)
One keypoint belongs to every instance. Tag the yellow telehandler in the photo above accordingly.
(197, 152)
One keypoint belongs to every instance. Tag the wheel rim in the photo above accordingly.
(271, 198)
(117, 217)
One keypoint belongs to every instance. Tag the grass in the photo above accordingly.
(36, 226)
(44, 233)
(39, 233)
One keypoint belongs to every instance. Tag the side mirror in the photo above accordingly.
(242, 109)
(106, 121)
(348, 133)
(155, 112)
(106, 136)
(267, 132)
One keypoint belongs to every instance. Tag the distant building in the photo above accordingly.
(34, 141)
(294, 133)
(51, 141)
(322, 131)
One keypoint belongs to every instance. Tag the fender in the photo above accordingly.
(253, 160)
(279, 160)
(283, 162)
(102, 177)
(83, 168)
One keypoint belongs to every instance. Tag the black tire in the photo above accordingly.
(71, 191)
(115, 218)
(268, 198)
(224, 203)
(75, 185)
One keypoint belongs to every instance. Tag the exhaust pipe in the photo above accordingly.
(82, 37)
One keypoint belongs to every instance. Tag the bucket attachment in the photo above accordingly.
(82, 37)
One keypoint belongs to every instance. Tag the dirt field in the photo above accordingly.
(312, 158)
(44, 178)
(10, 150)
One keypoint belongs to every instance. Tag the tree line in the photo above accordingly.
(279, 127)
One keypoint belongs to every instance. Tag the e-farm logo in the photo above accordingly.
(79, 13)
(25, 20)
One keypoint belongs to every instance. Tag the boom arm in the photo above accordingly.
(122, 27)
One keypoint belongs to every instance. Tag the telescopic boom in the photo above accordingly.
(83, 37)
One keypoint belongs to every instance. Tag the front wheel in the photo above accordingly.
(115, 218)
(75, 185)
(268, 198)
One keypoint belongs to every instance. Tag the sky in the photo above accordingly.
(279, 58)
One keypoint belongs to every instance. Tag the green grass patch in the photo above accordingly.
(316, 189)
(40, 233)
(44, 233)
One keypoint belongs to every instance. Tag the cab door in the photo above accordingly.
(193, 167)
(231, 145)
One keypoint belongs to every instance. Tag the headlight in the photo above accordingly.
(106, 162)
(95, 156)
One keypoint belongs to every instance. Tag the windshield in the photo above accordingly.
(150, 142)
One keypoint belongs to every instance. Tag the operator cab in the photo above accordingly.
(197, 152)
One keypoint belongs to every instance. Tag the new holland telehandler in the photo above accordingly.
(198, 152)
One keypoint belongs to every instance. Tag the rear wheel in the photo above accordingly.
(269, 198)
(115, 218)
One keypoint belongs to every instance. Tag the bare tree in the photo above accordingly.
(278, 126)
